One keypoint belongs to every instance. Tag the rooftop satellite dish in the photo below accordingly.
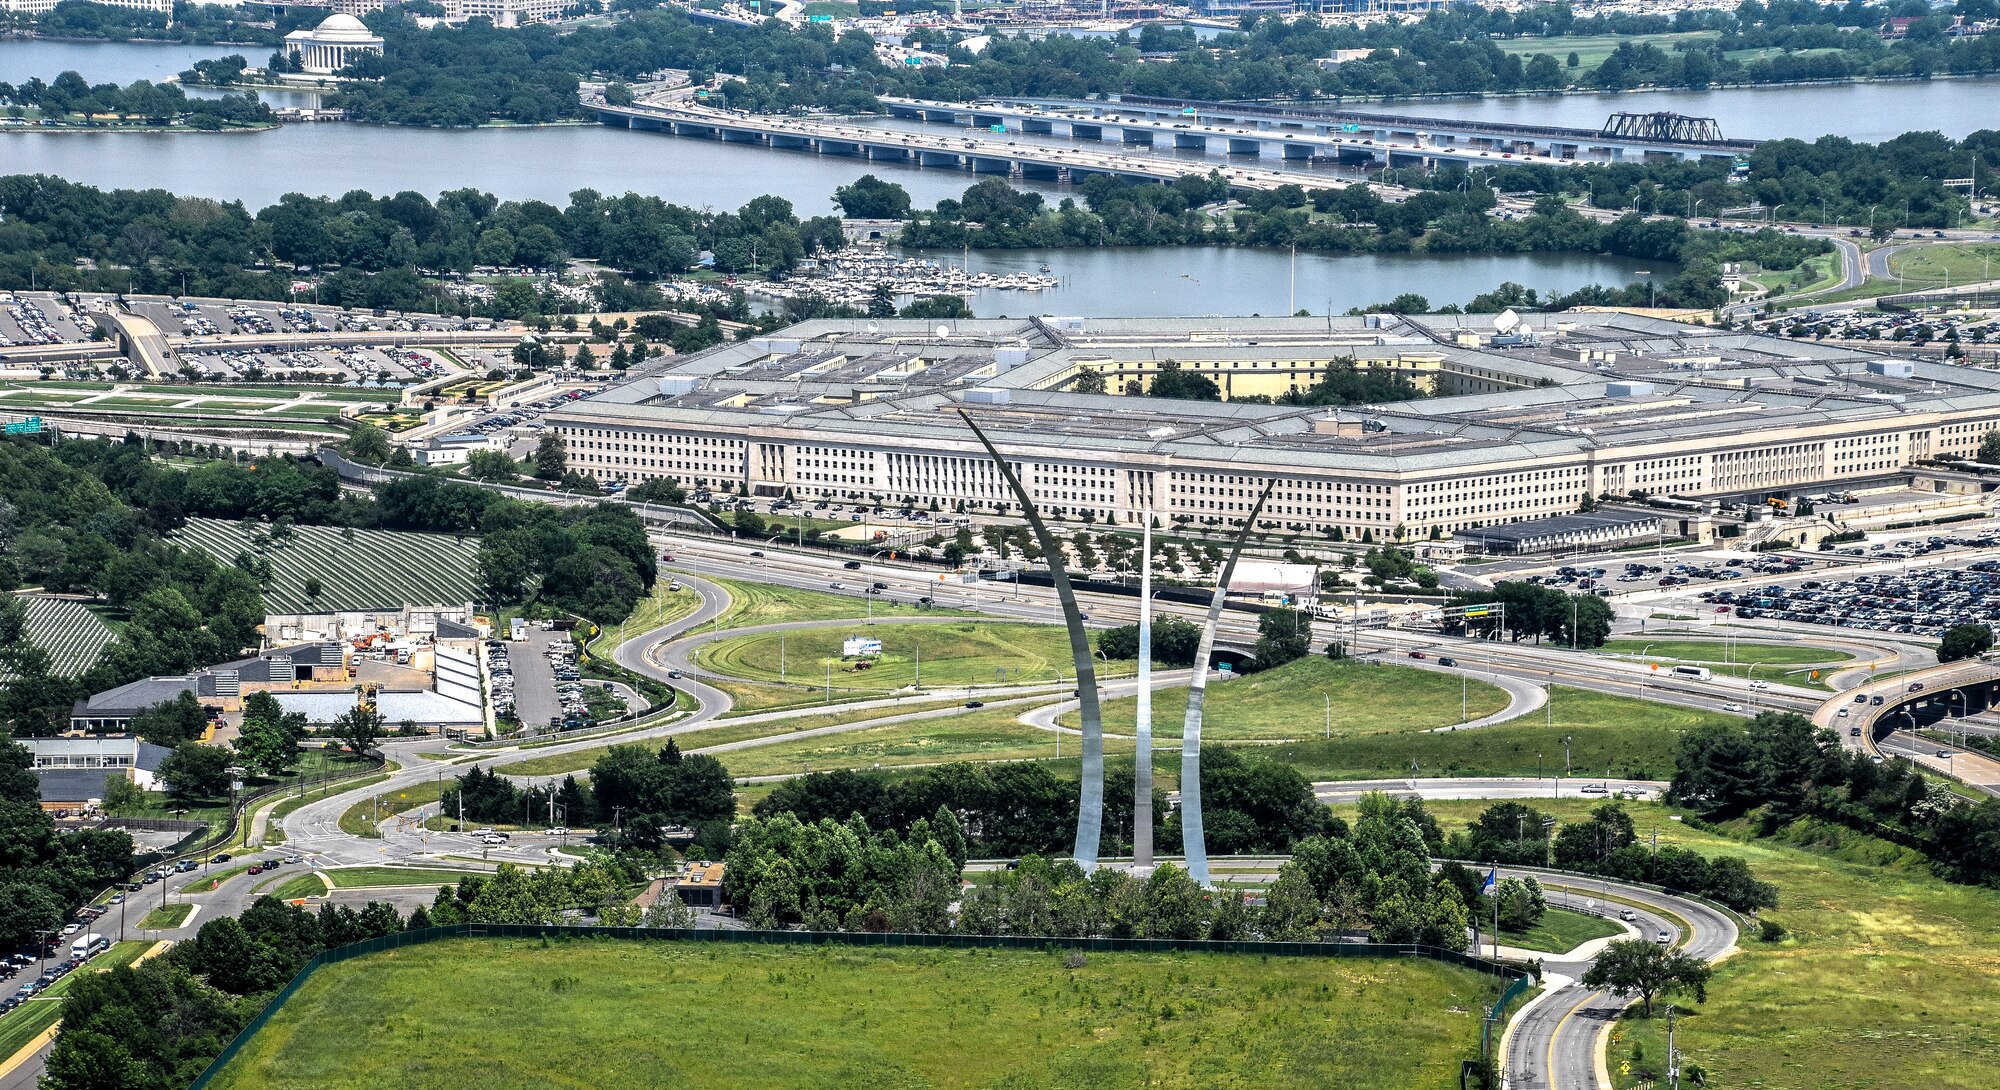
(943, 331)
(874, 328)
(1506, 321)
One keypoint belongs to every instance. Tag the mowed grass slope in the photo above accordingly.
(945, 654)
(1287, 703)
(1719, 651)
(484, 1014)
(377, 568)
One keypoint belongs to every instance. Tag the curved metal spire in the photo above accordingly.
(1142, 758)
(1090, 806)
(1192, 842)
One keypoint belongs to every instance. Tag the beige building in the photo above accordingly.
(508, 12)
(1527, 423)
(338, 41)
(39, 7)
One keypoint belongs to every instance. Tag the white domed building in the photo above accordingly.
(332, 45)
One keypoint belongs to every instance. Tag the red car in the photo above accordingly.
(1418, 655)
(256, 869)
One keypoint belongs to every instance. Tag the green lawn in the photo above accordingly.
(360, 819)
(475, 1013)
(1560, 931)
(716, 735)
(376, 877)
(1632, 738)
(940, 655)
(761, 603)
(1890, 978)
(166, 917)
(1287, 703)
(1935, 266)
(664, 607)
(1592, 49)
(1719, 652)
(985, 734)
(299, 886)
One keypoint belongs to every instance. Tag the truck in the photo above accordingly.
(89, 945)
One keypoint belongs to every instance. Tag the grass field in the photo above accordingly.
(1561, 931)
(983, 734)
(1630, 738)
(360, 819)
(763, 603)
(723, 733)
(1286, 702)
(664, 607)
(378, 877)
(299, 886)
(1936, 266)
(940, 655)
(477, 1014)
(376, 568)
(1718, 652)
(166, 917)
(1591, 50)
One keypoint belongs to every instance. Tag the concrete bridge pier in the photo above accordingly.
(616, 121)
(841, 147)
(1038, 125)
(1298, 151)
(1086, 132)
(749, 136)
(946, 117)
(1243, 145)
(1140, 137)
(699, 132)
(987, 121)
(981, 164)
(1191, 140)
(887, 154)
(1048, 172)
(938, 159)
(648, 124)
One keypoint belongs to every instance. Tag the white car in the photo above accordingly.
(1841, 714)
(1732, 707)
(1595, 789)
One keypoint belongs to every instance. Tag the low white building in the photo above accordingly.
(338, 41)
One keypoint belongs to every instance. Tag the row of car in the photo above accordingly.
(32, 324)
(569, 686)
(500, 677)
(1923, 601)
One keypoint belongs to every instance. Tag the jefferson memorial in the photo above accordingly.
(332, 45)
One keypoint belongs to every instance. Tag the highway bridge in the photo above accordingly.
(1648, 137)
(972, 154)
(1882, 718)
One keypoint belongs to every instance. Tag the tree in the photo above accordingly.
(1290, 909)
(171, 722)
(551, 456)
(359, 728)
(1648, 970)
(195, 771)
(1089, 380)
(1964, 641)
(1282, 635)
(871, 198)
(1173, 382)
(1989, 448)
(269, 739)
(491, 465)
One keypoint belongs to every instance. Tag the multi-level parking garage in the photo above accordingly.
(1528, 422)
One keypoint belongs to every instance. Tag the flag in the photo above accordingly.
(1492, 879)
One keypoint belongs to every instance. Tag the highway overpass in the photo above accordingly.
(1920, 700)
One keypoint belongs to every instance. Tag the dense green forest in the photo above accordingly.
(383, 250)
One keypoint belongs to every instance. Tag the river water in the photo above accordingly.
(549, 163)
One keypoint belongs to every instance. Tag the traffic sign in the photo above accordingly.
(29, 426)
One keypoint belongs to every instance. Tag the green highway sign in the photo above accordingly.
(30, 426)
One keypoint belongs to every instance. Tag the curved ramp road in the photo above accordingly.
(1556, 1043)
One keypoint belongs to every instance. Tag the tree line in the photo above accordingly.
(1779, 775)
(45, 876)
(72, 101)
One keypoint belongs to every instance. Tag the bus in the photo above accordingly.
(88, 946)
(1698, 673)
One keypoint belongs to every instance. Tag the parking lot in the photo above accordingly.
(548, 688)
(1923, 601)
(193, 317)
(370, 366)
(40, 317)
